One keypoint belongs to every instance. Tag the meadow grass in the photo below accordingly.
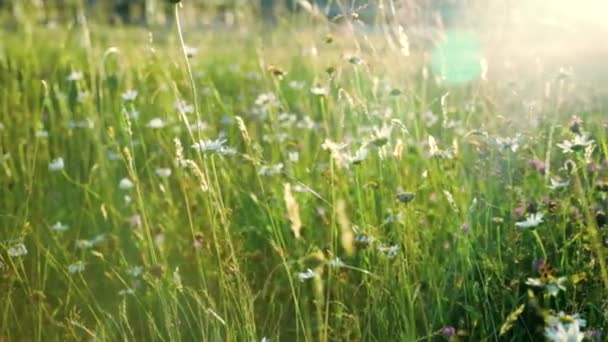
(287, 193)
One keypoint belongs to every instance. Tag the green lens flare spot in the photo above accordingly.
(457, 58)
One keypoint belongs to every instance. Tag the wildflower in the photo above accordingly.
(342, 158)
(363, 241)
(293, 156)
(575, 124)
(448, 331)
(183, 107)
(507, 143)
(135, 220)
(466, 227)
(435, 152)
(59, 227)
(296, 85)
(270, 170)
(567, 319)
(538, 264)
(430, 118)
(319, 91)
(580, 142)
(76, 267)
(83, 244)
(163, 172)
(199, 126)
(595, 335)
(86, 244)
(531, 221)
(266, 100)
(393, 218)
(135, 271)
(552, 284)
(556, 184)
(129, 95)
(276, 71)
(358, 157)
(56, 164)
(405, 197)
(188, 50)
(125, 184)
(74, 76)
(309, 274)
(537, 165)
(127, 291)
(390, 251)
(565, 329)
(156, 123)
(214, 146)
(16, 250)
(336, 262)
(86, 123)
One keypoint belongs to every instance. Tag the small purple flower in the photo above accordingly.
(537, 165)
(448, 331)
(595, 334)
(135, 220)
(519, 211)
(466, 227)
(537, 264)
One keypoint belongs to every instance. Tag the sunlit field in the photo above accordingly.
(378, 175)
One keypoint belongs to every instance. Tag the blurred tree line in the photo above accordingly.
(226, 12)
(160, 11)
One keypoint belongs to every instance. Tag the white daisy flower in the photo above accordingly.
(561, 333)
(565, 328)
(296, 85)
(125, 184)
(303, 276)
(214, 146)
(17, 250)
(319, 91)
(531, 221)
(126, 292)
(59, 227)
(56, 164)
(294, 156)
(190, 51)
(270, 170)
(136, 271)
(75, 76)
(580, 142)
(390, 251)
(556, 184)
(163, 172)
(552, 285)
(156, 123)
(336, 262)
(183, 107)
(129, 95)
(76, 267)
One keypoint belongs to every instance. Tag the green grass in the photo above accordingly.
(219, 259)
